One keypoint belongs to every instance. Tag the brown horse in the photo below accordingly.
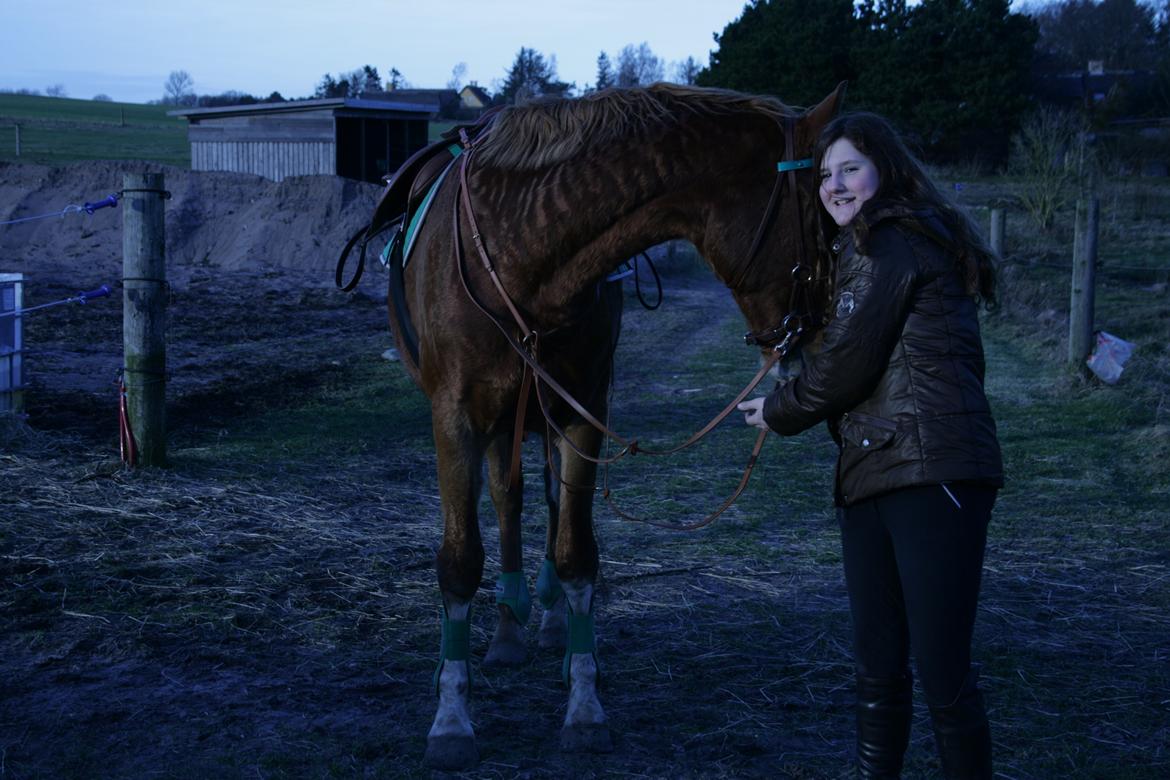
(549, 201)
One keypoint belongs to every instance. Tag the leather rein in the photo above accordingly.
(781, 339)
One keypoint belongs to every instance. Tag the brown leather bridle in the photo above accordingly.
(781, 339)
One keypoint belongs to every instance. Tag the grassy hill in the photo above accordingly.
(62, 130)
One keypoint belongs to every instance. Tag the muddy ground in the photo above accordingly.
(266, 606)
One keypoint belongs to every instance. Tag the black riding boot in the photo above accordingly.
(963, 735)
(883, 725)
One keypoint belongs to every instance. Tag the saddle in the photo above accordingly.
(404, 194)
(406, 188)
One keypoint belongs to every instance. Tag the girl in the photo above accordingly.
(899, 379)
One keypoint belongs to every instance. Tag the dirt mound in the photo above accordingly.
(214, 221)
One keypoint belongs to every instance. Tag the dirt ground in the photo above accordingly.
(267, 607)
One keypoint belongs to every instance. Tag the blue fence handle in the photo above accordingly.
(108, 201)
(101, 292)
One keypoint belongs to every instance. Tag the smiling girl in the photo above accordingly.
(899, 379)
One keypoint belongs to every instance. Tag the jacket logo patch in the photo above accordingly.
(845, 305)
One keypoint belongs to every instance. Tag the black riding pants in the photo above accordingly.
(913, 562)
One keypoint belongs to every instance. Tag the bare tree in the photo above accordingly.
(57, 90)
(638, 66)
(687, 71)
(458, 73)
(179, 89)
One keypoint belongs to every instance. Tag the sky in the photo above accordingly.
(127, 48)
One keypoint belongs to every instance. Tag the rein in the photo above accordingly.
(535, 374)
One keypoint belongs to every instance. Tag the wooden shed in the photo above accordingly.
(358, 139)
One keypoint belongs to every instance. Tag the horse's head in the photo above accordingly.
(781, 279)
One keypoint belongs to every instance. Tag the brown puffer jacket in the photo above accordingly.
(899, 376)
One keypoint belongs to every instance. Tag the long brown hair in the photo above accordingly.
(902, 180)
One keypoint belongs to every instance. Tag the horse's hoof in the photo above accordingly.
(452, 753)
(506, 654)
(586, 738)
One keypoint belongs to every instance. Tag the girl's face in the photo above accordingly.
(848, 179)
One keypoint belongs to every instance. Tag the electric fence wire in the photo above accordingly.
(89, 208)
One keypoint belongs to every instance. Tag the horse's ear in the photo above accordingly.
(819, 115)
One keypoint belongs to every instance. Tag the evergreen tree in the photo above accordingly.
(797, 50)
(954, 73)
(604, 72)
(531, 77)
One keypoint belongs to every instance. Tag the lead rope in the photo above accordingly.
(526, 348)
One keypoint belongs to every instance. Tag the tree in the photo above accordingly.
(797, 50)
(329, 87)
(179, 89)
(687, 71)
(1121, 33)
(352, 84)
(605, 76)
(57, 91)
(638, 66)
(954, 73)
(531, 77)
(102, 97)
(967, 67)
(457, 75)
(396, 81)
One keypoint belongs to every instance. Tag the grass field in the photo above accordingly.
(54, 131)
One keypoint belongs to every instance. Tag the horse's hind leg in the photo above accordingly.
(553, 623)
(585, 725)
(513, 601)
(451, 741)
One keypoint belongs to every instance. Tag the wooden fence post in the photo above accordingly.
(1084, 272)
(997, 228)
(17, 126)
(144, 291)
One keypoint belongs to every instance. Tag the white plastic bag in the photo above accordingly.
(1109, 356)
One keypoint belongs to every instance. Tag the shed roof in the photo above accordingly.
(387, 108)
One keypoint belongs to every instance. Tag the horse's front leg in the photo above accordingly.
(585, 726)
(513, 601)
(451, 741)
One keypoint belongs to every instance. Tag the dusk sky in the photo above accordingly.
(127, 49)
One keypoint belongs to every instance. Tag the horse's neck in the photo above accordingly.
(560, 229)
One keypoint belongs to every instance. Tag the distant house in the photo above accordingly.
(362, 139)
(1095, 87)
(474, 97)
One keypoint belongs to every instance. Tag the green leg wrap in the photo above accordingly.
(548, 587)
(581, 640)
(455, 645)
(512, 591)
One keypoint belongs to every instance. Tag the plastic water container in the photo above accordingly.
(11, 347)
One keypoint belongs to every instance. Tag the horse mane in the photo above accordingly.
(553, 130)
